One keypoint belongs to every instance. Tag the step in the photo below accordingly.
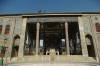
(55, 64)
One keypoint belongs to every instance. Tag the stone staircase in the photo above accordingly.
(52, 61)
(14, 59)
(55, 64)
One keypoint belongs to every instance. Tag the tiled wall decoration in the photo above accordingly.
(18, 24)
(86, 24)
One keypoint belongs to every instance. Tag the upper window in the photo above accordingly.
(7, 29)
(97, 27)
(0, 29)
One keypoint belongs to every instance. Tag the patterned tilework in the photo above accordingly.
(18, 26)
(86, 24)
(96, 19)
(5, 21)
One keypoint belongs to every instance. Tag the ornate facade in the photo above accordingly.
(40, 37)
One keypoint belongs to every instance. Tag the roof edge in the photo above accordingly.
(35, 13)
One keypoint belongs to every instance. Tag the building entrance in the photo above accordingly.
(52, 42)
(52, 39)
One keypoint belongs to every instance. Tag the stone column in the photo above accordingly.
(67, 38)
(11, 38)
(37, 37)
(96, 43)
(22, 36)
(82, 37)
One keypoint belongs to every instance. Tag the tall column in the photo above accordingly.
(11, 38)
(96, 44)
(82, 37)
(67, 38)
(22, 36)
(37, 38)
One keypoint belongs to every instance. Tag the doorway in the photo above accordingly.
(90, 46)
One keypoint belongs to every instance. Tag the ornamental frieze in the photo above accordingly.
(53, 19)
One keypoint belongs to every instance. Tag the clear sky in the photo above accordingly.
(29, 6)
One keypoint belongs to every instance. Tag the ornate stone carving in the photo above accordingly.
(52, 52)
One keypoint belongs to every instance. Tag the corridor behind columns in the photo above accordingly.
(52, 36)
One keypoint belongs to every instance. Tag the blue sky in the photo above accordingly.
(29, 6)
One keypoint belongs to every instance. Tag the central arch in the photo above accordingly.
(52, 42)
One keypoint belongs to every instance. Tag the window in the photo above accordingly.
(63, 42)
(97, 27)
(41, 42)
(0, 29)
(7, 29)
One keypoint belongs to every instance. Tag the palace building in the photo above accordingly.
(51, 37)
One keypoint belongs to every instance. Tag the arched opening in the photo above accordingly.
(7, 29)
(30, 39)
(52, 35)
(97, 25)
(15, 46)
(74, 38)
(90, 45)
(52, 42)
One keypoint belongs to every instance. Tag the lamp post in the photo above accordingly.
(3, 50)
